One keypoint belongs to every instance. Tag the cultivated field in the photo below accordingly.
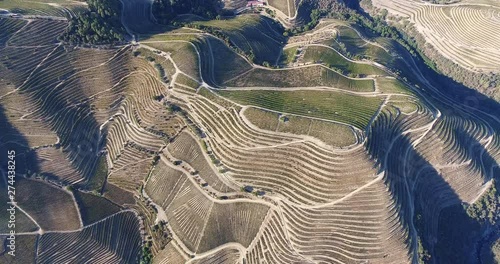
(335, 106)
(45, 205)
(52, 8)
(332, 59)
(116, 239)
(306, 76)
(465, 33)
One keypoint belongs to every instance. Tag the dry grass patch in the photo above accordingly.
(281, 5)
(331, 133)
(185, 80)
(294, 124)
(405, 105)
(169, 255)
(392, 85)
(261, 118)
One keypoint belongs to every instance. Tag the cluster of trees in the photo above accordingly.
(378, 26)
(315, 15)
(422, 246)
(100, 24)
(225, 38)
(166, 10)
(146, 254)
(487, 209)
(423, 254)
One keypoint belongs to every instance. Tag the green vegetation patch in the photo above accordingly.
(331, 133)
(288, 55)
(332, 59)
(167, 46)
(310, 76)
(97, 181)
(487, 208)
(331, 105)
(392, 85)
(101, 24)
(380, 50)
(166, 10)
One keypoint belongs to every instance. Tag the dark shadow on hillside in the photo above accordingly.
(405, 169)
(447, 94)
(451, 94)
(77, 129)
(12, 139)
(458, 232)
(137, 17)
(25, 160)
(475, 152)
(67, 110)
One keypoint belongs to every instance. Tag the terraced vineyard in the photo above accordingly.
(346, 108)
(464, 33)
(56, 9)
(183, 146)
